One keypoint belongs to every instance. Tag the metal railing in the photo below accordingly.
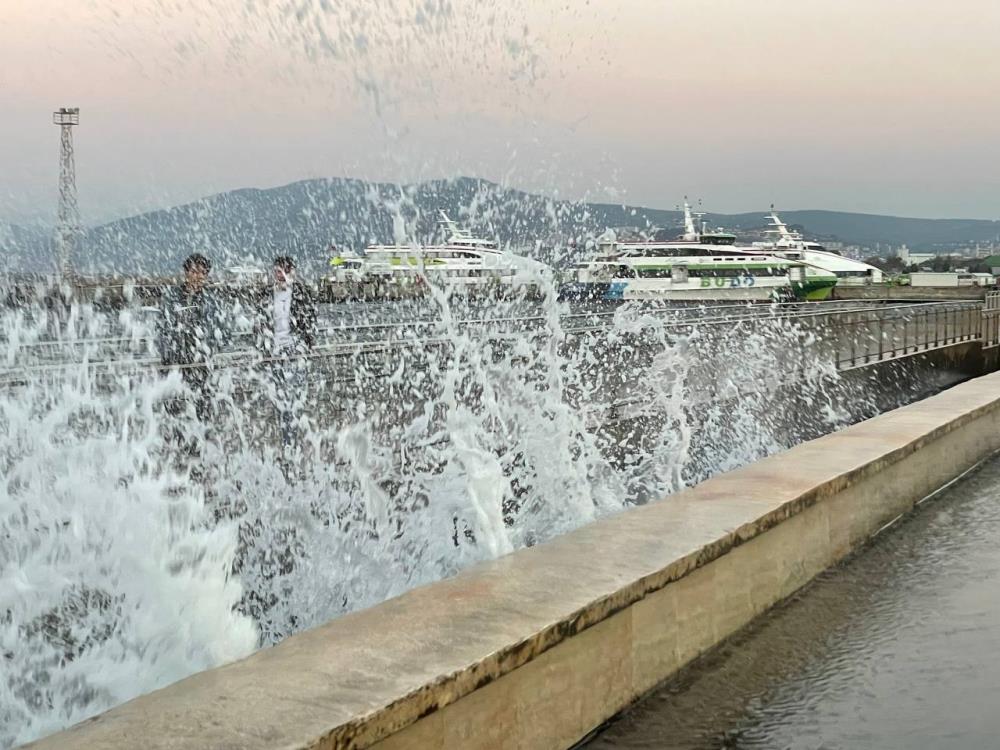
(869, 337)
(851, 335)
(990, 333)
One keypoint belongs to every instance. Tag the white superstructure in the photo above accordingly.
(699, 265)
(462, 259)
(792, 245)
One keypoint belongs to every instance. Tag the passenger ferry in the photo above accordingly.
(462, 260)
(793, 246)
(346, 267)
(698, 266)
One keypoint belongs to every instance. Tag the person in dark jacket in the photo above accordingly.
(285, 333)
(189, 331)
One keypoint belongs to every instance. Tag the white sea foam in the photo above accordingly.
(127, 564)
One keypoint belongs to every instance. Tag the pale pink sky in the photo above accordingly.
(887, 106)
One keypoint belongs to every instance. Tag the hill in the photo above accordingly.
(25, 249)
(305, 218)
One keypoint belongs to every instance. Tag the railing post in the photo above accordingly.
(868, 340)
(852, 335)
(881, 337)
(872, 324)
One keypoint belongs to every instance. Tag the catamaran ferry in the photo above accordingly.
(793, 246)
(463, 260)
(698, 266)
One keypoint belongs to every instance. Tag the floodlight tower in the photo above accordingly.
(69, 214)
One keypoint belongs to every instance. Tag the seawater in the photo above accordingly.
(894, 649)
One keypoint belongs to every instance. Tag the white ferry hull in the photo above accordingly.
(756, 294)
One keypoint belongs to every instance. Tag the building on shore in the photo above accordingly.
(914, 259)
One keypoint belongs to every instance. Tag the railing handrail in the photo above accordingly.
(330, 349)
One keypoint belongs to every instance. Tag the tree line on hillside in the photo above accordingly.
(940, 264)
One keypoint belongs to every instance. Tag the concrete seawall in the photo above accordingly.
(536, 649)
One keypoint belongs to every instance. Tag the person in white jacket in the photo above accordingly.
(285, 333)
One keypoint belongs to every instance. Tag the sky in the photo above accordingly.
(879, 106)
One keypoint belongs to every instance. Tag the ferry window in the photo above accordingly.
(654, 273)
(727, 272)
(667, 252)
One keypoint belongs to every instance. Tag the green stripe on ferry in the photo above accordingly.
(708, 266)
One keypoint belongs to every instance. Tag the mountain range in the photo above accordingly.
(304, 219)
